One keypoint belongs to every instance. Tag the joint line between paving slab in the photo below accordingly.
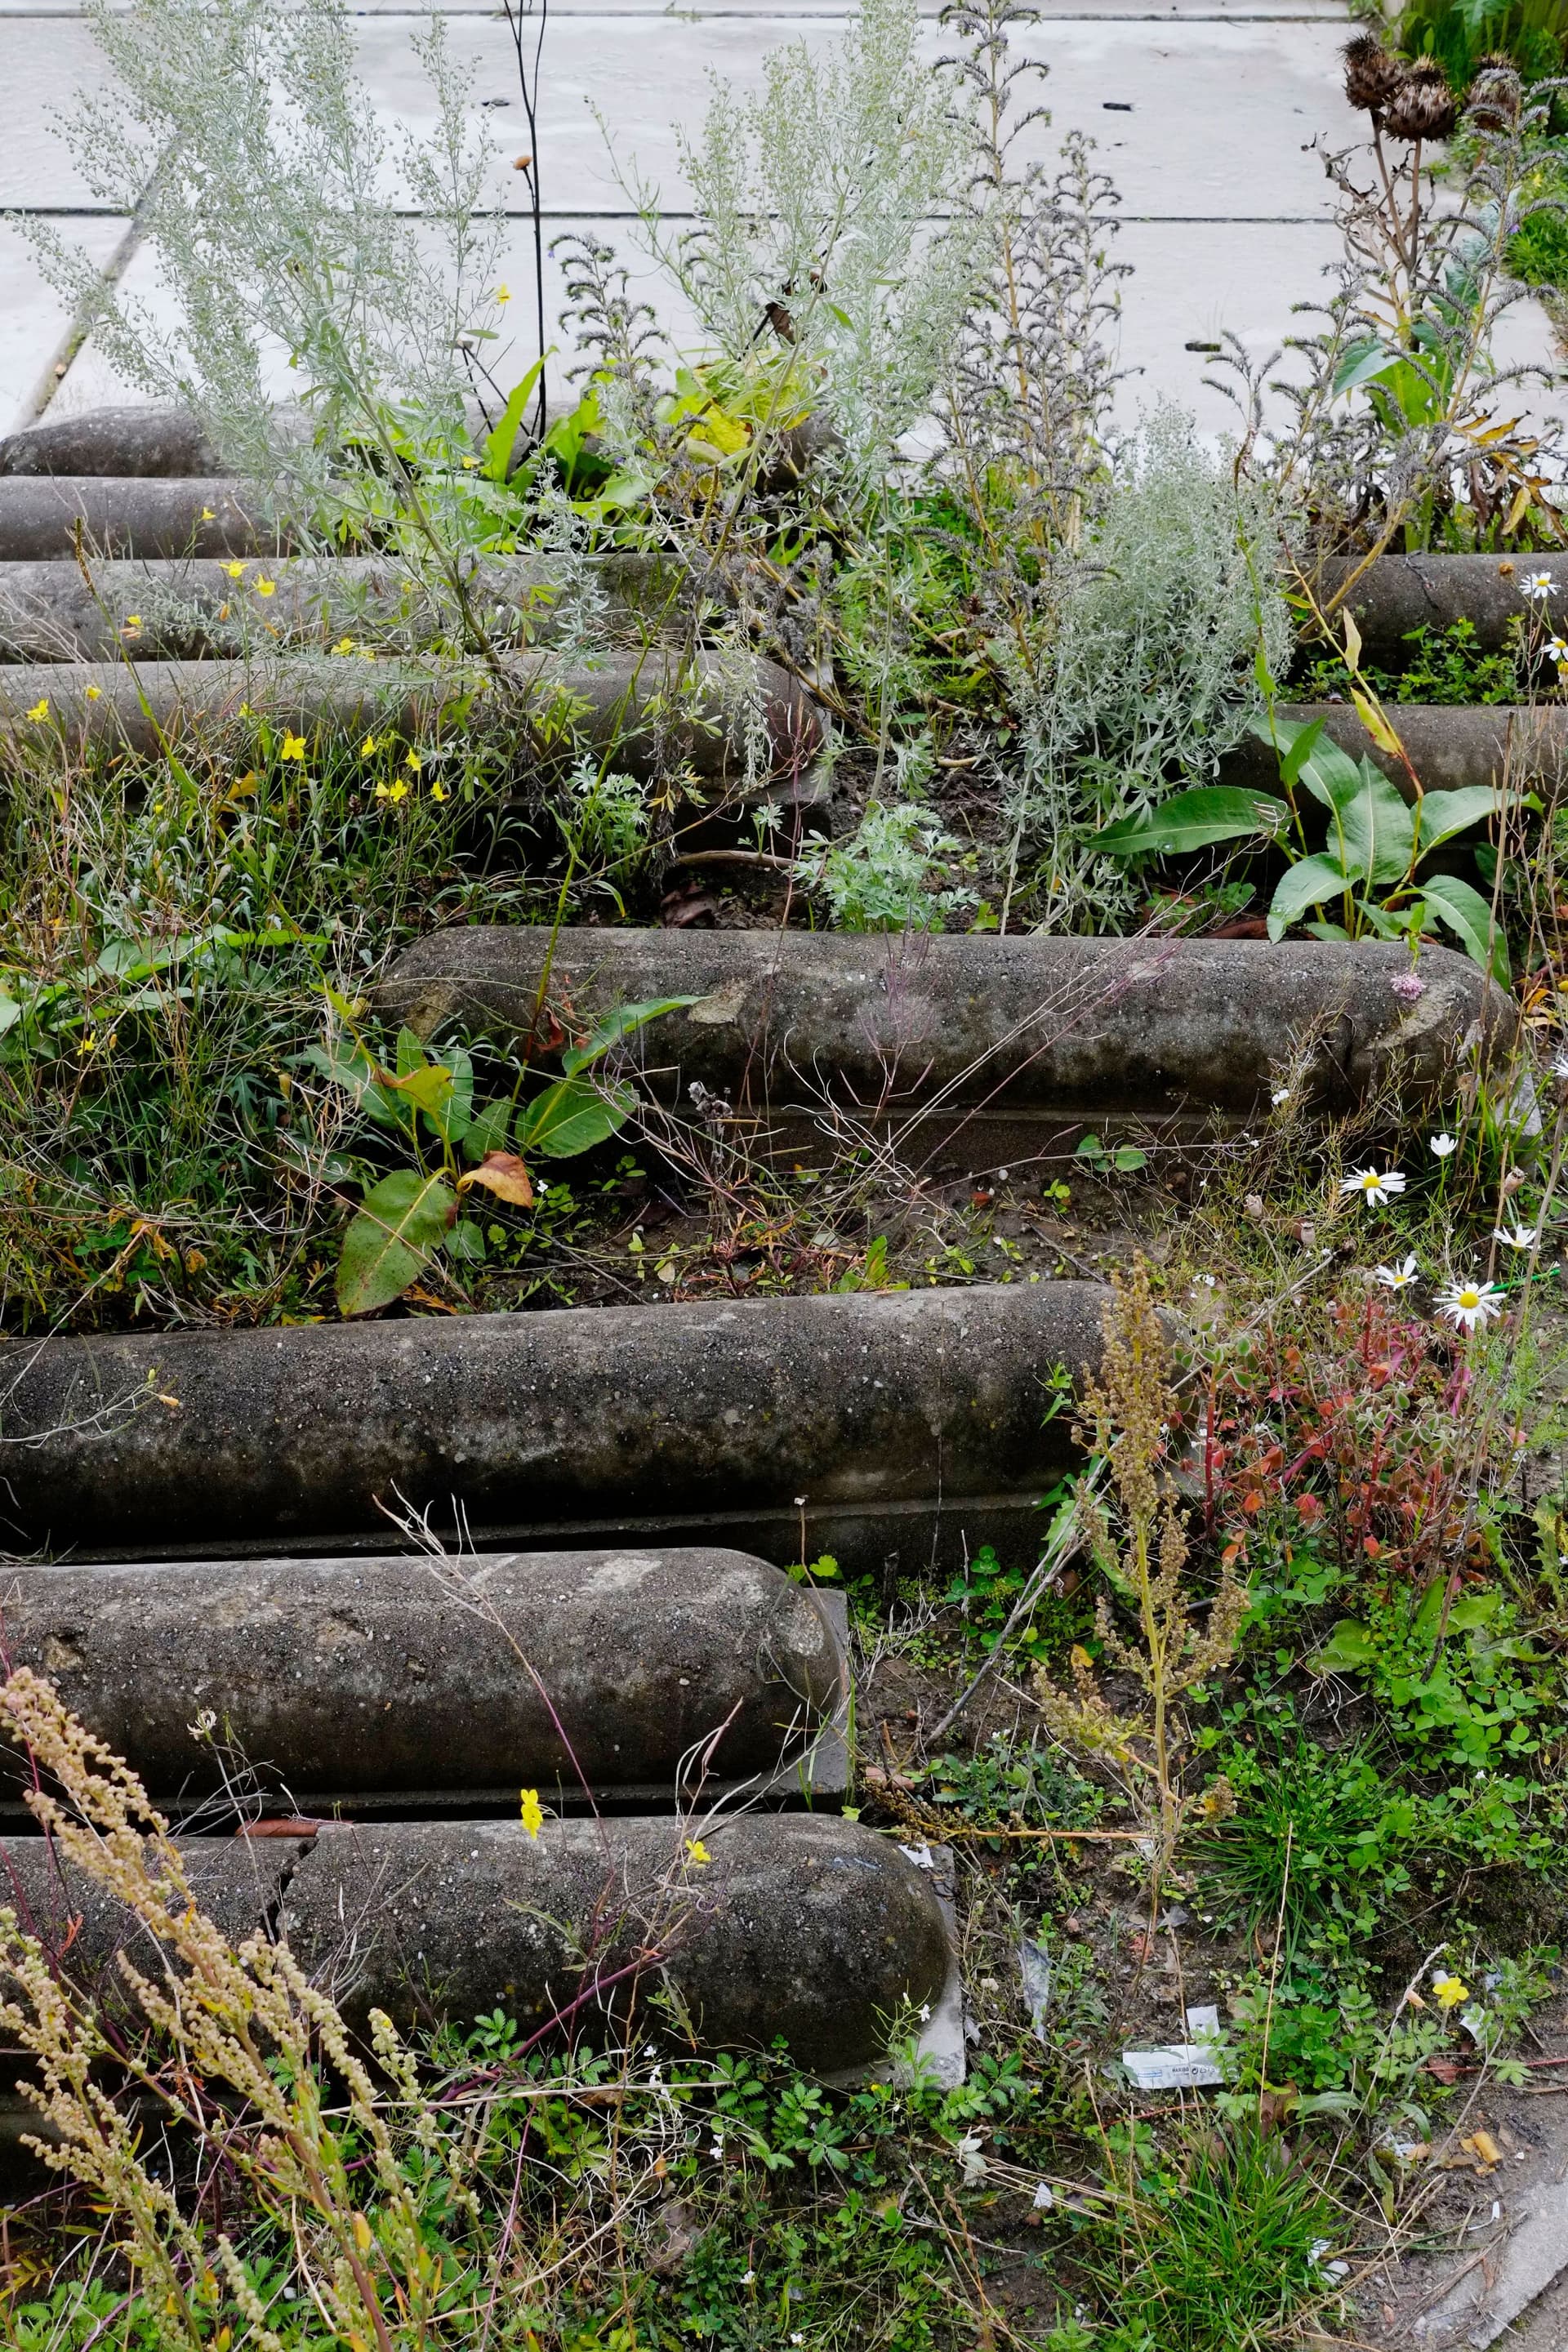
(114, 269)
(79, 331)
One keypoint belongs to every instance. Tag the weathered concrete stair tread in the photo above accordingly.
(42, 516)
(194, 609)
(983, 1044)
(1396, 594)
(341, 1679)
(1449, 745)
(798, 1925)
(122, 441)
(650, 709)
(911, 1420)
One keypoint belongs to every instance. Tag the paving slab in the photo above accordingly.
(44, 64)
(644, 73)
(36, 321)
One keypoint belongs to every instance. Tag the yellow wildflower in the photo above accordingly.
(532, 1813)
(438, 792)
(133, 620)
(344, 645)
(40, 710)
(415, 761)
(265, 587)
(293, 746)
(94, 692)
(368, 749)
(234, 571)
(1450, 1990)
(207, 515)
(503, 294)
(696, 1853)
(393, 793)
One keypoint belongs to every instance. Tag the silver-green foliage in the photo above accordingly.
(266, 187)
(1152, 671)
(885, 876)
(823, 195)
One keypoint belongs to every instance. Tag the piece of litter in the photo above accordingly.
(1034, 1967)
(1203, 2024)
(920, 1855)
(1177, 1916)
(1044, 2198)
(1174, 2066)
(968, 2154)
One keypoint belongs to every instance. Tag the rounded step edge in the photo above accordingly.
(338, 1681)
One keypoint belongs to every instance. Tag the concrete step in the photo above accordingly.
(399, 1685)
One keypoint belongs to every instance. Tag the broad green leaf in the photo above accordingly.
(1440, 816)
(1309, 882)
(466, 1239)
(499, 443)
(10, 1013)
(1192, 820)
(429, 1088)
(350, 1066)
(1470, 917)
(1305, 736)
(1089, 1147)
(411, 1053)
(1473, 1609)
(572, 1116)
(1378, 827)
(622, 1022)
(399, 1226)
(486, 1131)
(1347, 1647)
(1129, 1160)
(450, 1117)
(1330, 774)
(1365, 362)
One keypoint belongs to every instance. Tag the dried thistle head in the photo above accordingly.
(1372, 77)
(1424, 106)
(1496, 96)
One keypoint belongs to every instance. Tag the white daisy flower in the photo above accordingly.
(1442, 1145)
(1519, 1237)
(1466, 1303)
(1559, 1066)
(1538, 583)
(1397, 1277)
(1374, 1185)
(1557, 650)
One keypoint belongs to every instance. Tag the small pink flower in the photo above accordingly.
(1408, 987)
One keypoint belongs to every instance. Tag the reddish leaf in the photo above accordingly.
(502, 1173)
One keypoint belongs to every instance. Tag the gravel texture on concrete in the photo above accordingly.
(382, 1675)
(798, 1925)
(849, 1417)
(196, 610)
(1396, 594)
(649, 710)
(42, 515)
(1450, 746)
(977, 1044)
(756, 1925)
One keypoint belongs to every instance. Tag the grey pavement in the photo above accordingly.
(1204, 114)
